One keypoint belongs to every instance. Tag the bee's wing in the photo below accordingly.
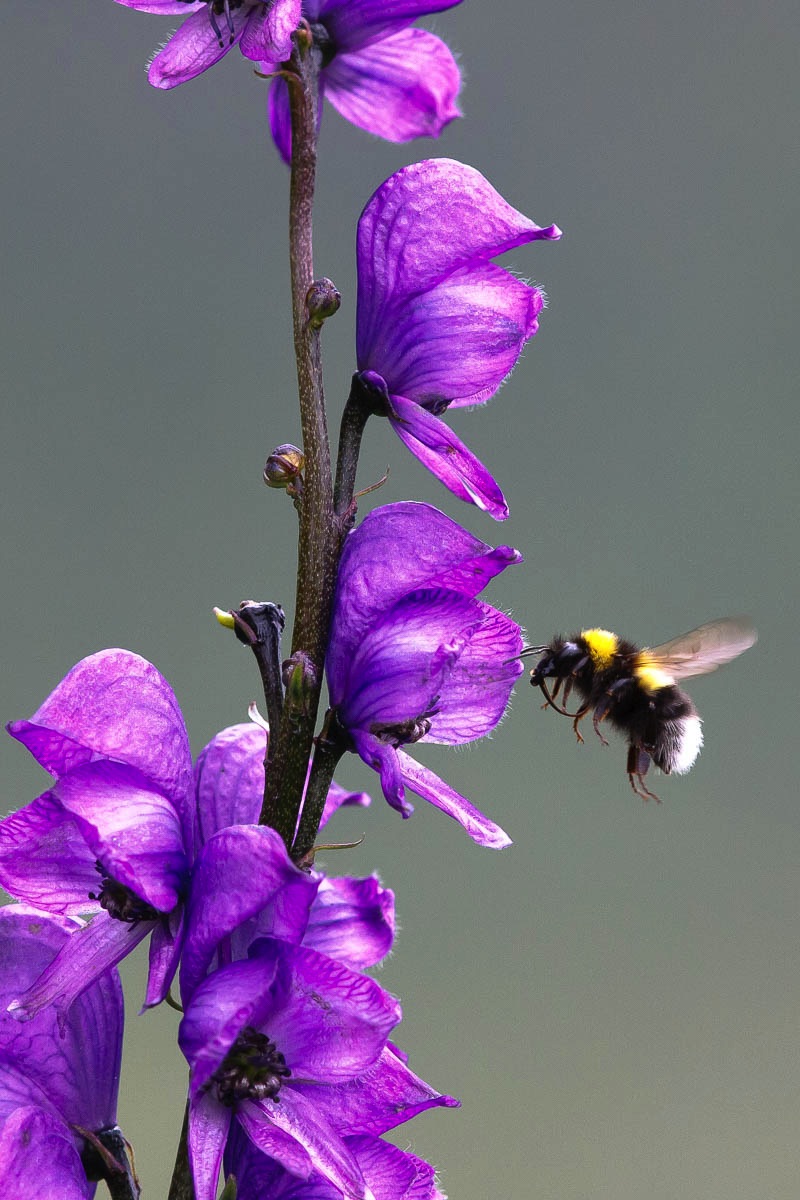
(703, 650)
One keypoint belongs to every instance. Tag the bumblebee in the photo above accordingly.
(636, 690)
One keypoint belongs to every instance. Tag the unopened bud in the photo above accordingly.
(322, 301)
(284, 466)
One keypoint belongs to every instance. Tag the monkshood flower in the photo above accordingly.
(394, 81)
(390, 1173)
(293, 1046)
(58, 1081)
(438, 324)
(414, 655)
(261, 28)
(349, 919)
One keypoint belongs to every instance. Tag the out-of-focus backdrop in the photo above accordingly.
(615, 998)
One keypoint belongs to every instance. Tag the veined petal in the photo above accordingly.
(76, 1062)
(383, 759)
(131, 829)
(423, 223)
(475, 693)
(195, 47)
(275, 1148)
(398, 671)
(393, 1174)
(87, 954)
(229, 779)
(209, 1122)
(400, 87)
(166, 943)
(459, 340)
(38, 1158)
(268, 884)
(338, 797)
(352, 920)
(115, 705)
(427, 784)
(385, 1096)
(353, 22)
(437, 448)
(268, 33)
(45, 860)
(296, 1115)
(166, 7)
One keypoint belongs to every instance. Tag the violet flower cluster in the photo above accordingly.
(294, 1074)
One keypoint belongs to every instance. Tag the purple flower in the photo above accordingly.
(390, 1173)
(293, 1045)
(414, 655)
(261, 28)
(396, 82)
(112, 835)
(438, 324)
(245, 887)
(55, 1077)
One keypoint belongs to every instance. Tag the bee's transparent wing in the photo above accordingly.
(703, 650)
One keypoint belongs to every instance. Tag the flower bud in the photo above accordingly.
(284, 466)
(322, 301)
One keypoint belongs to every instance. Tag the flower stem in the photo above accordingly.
(318, 541)
(354, 419)
(182, 1185)
(330, 746)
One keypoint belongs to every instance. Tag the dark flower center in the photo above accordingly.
(253, 1069)
(404, 733)
(120, 902)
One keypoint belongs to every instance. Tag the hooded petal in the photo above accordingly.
(195, 47)
(398, 672)
(400, 87)
(45, 860)
(229, 779)
(39, 1160)
(242, 872)
(397, 549)
(352, 920)
(437, 448)
(353, 22)
(425, 222)
(430, 787)
(131, 829)
(76, 1062)
(116, 705)
(268, 33)
(459, 340)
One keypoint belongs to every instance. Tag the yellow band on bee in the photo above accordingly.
(602, 646)
(650, 675)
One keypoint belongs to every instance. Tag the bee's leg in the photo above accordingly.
(579, 715)
(604, 706)
(638, 766)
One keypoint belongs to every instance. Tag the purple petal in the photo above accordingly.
(86, 956)
(279, 113)
(352, 920)
(391, 1173)
(437, 448)
(338, 797)
(425, 222)
(195, 47)
(165, 7)
(268, 34)
(265, 1142)
(383, 759)
(39, 1160)
(76, 1062)
(400, 87)
(229, 779)
(402, 664)
(209, 1122)
(475, 693)
(242, 872)
(425, 783)
(132, 830)
(113, 704)
(166, 943)
(459, 340)
(329, 1022)
(299, 1117)
(397, 549)
(385, 1096)
(44, 859)
(352, 22)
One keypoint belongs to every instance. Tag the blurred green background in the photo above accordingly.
(615, 998)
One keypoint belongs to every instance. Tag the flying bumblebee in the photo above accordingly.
(636, 690)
